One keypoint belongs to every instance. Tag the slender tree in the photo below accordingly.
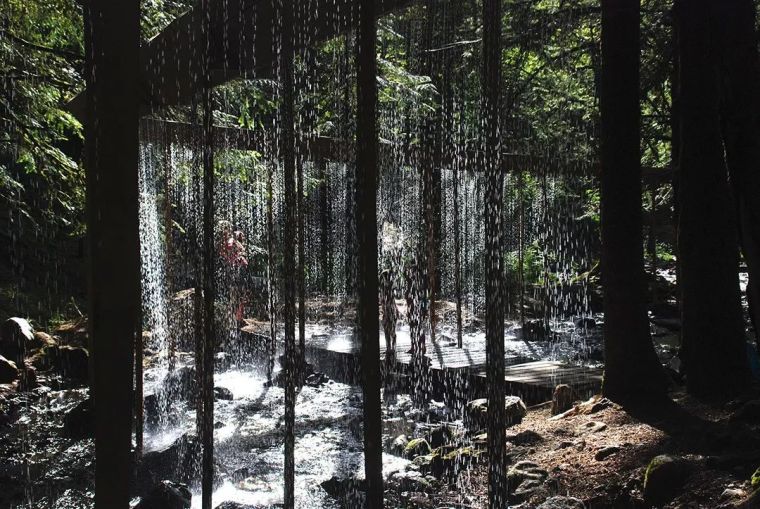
(740, 114)
(491, 83)
(366, 229)
(209, 266)
(112, 63)
(631, 366)
(288, 154)
(713, 349)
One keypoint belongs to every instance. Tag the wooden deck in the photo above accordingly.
(336, 353)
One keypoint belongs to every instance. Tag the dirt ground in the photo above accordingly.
(599, 454)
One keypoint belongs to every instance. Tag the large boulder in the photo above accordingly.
(665, 477)
(181, 383)
(167, 495)
(180, 461)
(73, 362)
(16, 339)
(344, 487)
(514, 410)
(8, 371)
(79, 422)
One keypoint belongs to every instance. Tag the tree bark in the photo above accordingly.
(112, 66)
(366, 228)
(288, 154)
(740, 110)
(209, 279)
(491, 84)
(632, 370)
(324, 215)
(714, 351)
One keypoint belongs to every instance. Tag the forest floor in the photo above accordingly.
(598, 454)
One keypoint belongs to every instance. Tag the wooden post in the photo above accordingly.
(209, 257)
(113, 40)
(288, 154)
(491, 83)
(366, 228)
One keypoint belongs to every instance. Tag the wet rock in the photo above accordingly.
(584, 323)
(665, 477)
(417, 447)
(152, 409)
(412, 480)
(605, 452)
(317, 380)
(16, 339)
(515, 410)
(562, 399)
(534, 330)
(562, 503)
(223, 393)
(79, 422)
(241, 474)
(181, 383)
(180, 461)
(399, 444)
(339, 488)
(9, 373)
(73, 362)
(454, 458)
(437, 434)
(167, 495)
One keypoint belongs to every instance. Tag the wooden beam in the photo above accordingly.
(171, 63)
(334, 149)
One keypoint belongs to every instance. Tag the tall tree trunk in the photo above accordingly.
(675, 143)
(350, 212)
(491, 83)
(632, 369)
(112, 63)
(288, 154)
(271, 272)
(714, 351)
(457, 255)
(366, 228)
(301, 272)
(324, 232)
(740, 67)
(209, 257)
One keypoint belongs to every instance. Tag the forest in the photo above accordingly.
(379, 253)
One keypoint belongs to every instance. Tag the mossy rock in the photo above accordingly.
(755, 480)
(665, 477)
(417, 447)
